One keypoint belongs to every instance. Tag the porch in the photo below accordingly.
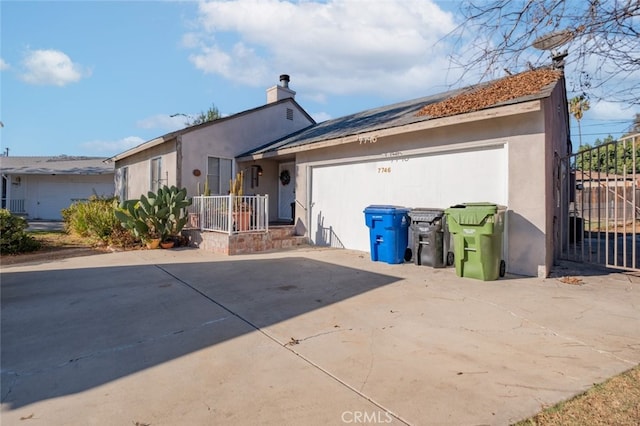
(231, 225)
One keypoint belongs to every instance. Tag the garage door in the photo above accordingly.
(59, 192)
(340, 193)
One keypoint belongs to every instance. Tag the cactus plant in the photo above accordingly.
(156, 215)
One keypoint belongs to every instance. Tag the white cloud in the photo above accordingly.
(112, 147)
(335, 46)
(3, 65)
(51, 67)
(163, 122)
(321, 116)
(603, 110)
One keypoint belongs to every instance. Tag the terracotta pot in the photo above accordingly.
(166, 244)
(153, 244)
(194, 220)
(242, 220)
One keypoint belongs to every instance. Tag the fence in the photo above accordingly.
(16, 206)
(229, 213)
(603, 220)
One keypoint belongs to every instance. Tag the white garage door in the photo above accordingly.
(340, 193)
(59, 192)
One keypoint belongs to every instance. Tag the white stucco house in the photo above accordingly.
(505, 152)
(207, 152)
(40, 187)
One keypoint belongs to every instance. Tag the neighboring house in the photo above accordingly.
(503, 151)
(40, 187)
(206, 152)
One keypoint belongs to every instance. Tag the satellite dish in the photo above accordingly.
(552, 40)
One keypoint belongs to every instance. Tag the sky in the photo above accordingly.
(95, 78)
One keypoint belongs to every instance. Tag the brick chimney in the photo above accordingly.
(282, 91)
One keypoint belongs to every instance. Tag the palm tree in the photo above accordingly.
(577, 106)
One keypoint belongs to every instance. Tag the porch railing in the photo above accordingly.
(230, 214)
(16, 206)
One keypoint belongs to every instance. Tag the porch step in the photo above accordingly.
(277, 238)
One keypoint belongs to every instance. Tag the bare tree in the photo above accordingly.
(604, 53)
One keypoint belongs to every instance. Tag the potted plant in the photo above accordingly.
(139, 217)
(241, 211)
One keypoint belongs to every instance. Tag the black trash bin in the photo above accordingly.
(429, 238)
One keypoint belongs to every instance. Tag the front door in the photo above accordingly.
(286, 190)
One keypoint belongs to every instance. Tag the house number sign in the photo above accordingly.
(367, 139)
(384, 169)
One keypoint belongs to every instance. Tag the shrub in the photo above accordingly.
(96, 218)
(13, 237)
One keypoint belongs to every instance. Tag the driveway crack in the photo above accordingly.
(289, 346)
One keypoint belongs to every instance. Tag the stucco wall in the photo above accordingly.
(524, 138)
(557, 143)
(230, 138)
(139, 174)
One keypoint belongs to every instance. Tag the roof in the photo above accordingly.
(60, 165)
(172, 135)
(468, 99)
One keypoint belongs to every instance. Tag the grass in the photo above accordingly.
(55, 245)
(60, 239)
(614, 402)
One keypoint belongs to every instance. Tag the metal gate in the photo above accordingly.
(600, 223)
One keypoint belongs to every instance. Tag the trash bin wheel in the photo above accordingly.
(450, 258)
(503, 268)
(408, 255)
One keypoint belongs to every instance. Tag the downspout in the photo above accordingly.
(179, 161)
(309, 205)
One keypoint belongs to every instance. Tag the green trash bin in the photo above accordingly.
(477, 230)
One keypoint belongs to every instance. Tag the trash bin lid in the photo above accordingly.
(385, 209)
(425, 215)
(472, 213)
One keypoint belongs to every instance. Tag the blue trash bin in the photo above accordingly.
(388, 232)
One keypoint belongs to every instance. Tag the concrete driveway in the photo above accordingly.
(303, 337)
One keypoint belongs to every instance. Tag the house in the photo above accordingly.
(206, 153)
(40, 187)
(500, 142)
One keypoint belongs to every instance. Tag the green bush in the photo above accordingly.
(13, 237)
(96, 219)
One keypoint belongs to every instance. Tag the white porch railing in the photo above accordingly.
(16, 206)
(230, 214)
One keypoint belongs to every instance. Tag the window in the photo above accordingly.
(156, 174)
(124, 184)
(218, 175)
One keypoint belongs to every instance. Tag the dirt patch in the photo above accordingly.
(56, 245)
